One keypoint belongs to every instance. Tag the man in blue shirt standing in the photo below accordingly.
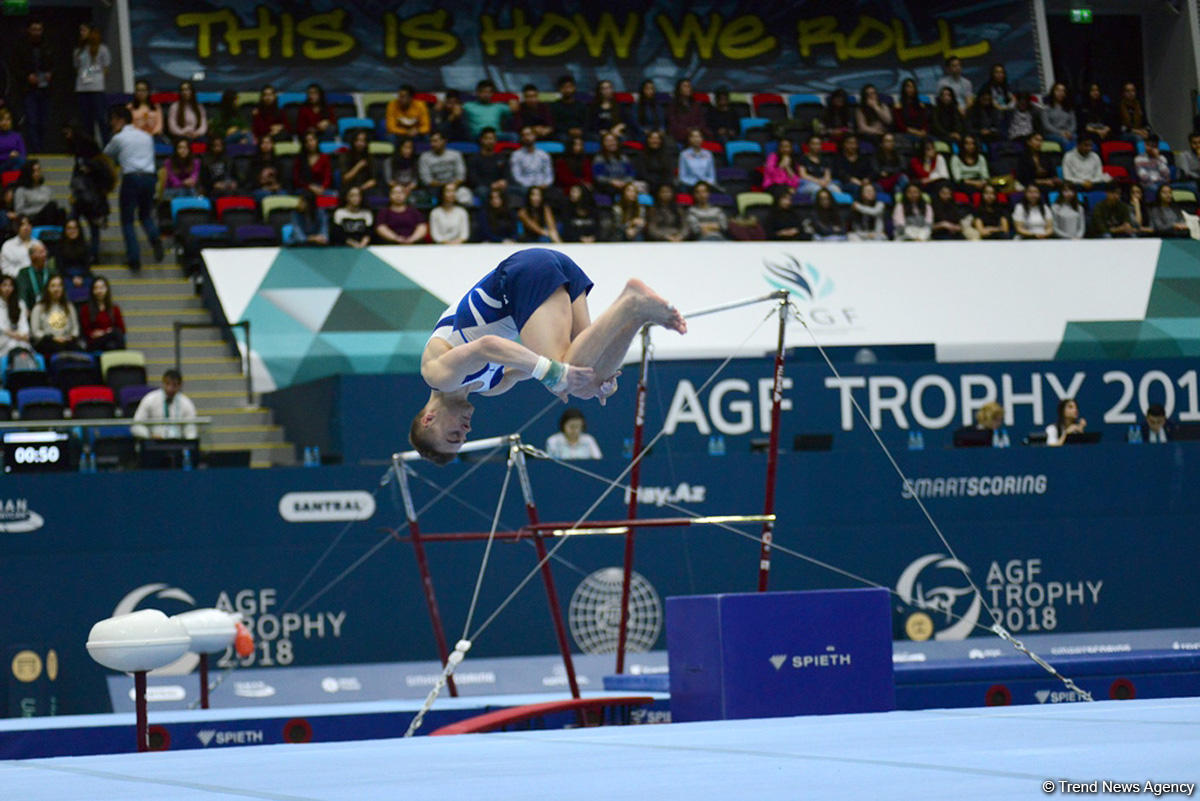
(133, 150)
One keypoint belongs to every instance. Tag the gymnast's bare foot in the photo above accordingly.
(656, 307)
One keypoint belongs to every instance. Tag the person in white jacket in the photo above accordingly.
(448, 222)
(168, 408)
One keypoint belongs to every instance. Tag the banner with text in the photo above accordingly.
(366, 45)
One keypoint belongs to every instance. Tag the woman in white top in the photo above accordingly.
(1070, 220)
(572, 441)
(867, 217)
(14, 319)
(1069, 422)
(1032, 217)
(14, 254)
(448, 222)
(352, 223)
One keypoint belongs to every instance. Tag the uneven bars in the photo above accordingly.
(602, 527)
(776, 295)
(473, 445)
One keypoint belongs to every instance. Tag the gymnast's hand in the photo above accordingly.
(577, 381)
(607, 389)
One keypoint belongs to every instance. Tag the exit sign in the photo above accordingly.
(1081, 15)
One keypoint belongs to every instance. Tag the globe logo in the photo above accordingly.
(595, 612)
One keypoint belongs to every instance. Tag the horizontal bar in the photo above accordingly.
(112, 422)
(650, 522)
(473, 445)
(586, 531)
(778, 294)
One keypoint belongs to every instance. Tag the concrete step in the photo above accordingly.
(259, 435)
(147, 287)
(238, 417)
(192, 359)
(214, 402)
(215, 382)
(130, 302)
(274, 454)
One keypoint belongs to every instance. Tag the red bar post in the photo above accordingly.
(768, 529)
(635, 475)
(139, 704)
(204, 681)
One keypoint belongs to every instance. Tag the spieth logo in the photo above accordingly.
(244, 737)
(16, 517)
(799, 278)
(326, 507)
(921, 585)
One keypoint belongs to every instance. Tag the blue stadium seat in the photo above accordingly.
(180, 203)
(804, 100)
(256, 235)
(285, 233)
(551, 147)
(48, 233)
(329, 148)
(841, 198)
(286, 99)
(5, 405)
(645, 199)
(466, 148)
(748, 123)
(208, 98)
(353, 123)
(747, 155)
(40, 403)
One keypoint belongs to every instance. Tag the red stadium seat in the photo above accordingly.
(92, 402)
(426, 97)
(701, 97)
(199, 148)
(505, 97)
(631, 144)
(507, 147)
(221, 204)
(715, 147)
(327, 201)
(963, 199)
(10, 177)
(1107, 149)
(1118, 173)
(684, 199)
(164, 97)
(625, 98)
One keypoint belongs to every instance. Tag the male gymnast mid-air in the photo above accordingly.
(528, 318)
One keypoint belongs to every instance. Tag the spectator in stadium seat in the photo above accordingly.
(147, 114)
(580, 223)
(1095, 115)
(1110, 217)
(439, 166)
(605, 114)
(358, 169)
(1139, 215)
(92, 60)
(572, 440)
(167, 410)
(92, 179)
(263, 175)
(1067, 422)
(781, 168)
(684, 113)
(268, 118)
(133, 151)
(100, 319)
(825, 223)
(1152, 168)
(912, 219)
(14, 318)
(911, 115)
(1187, 162)
(657, 162)
(954, 80)
(1031, 217)
(991, 218)
(400, 223)
(985, 120)
(450, 118)
(312, 169)
(1082, 167)
(784, 222)
(216, 170)
(1023, 120)
(695, 163)
(14, 254)
(629, 217)
(612, 170)
(228, 122)
(968, 167)
(852, 169)
(53, 324)
(532, 112)
(352, 222)
(34, 197)
(568, 114)
(1130, 116)
(33, 70)
(448, 221)
(1059, 123)
(1034, 168)
(538, 218)
(484, 112)
(310, 224)
(1070, 219)
(406, 116)
(32, 280)
(497, 222)
(186, 118)
(1165, 217)
(74, 256)
(487, 169)
(997, 86)
(891, 169)
(814, 169)
(182, 171)
(867, 217)
(872, 118)
(722, 118)
(836, 119)
(665, 221)
(647, 112)
(12, 144)
(705, 221)
(574, 167)
(316, 114)
(401, 168)
(949, 222)
(946, 122)
(528, 166)
(928, 168)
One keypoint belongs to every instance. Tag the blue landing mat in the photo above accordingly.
(996, 753)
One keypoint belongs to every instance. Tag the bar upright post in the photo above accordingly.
(768, 529)
(635, 475)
